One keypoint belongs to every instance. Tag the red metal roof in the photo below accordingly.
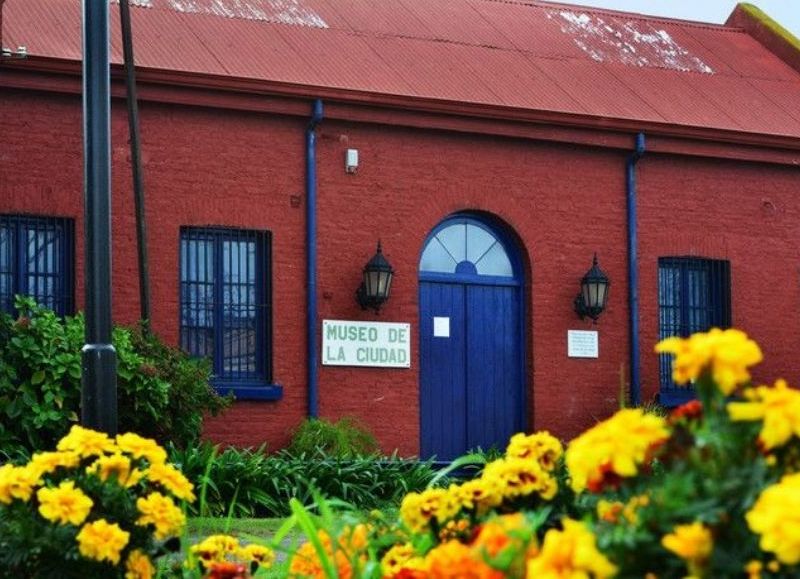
(521, 54)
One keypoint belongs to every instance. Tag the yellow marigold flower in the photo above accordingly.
(614, 449)
(214, 548)
(44, 463)
(692, 543)
(480, 494)
(609, 511)
(778, 407)
(64, 504)
(450, 504)
(753, 569)
(135, 477)
(540, 446)
(161, 512)
(727, 354)
(171, 479)
(16, 482)
(520, 477)
(102, 541)
(113, 465)
(570, 553)
(454, 529)
(454, 560)
(631, 510)
(86, 442)
(140, 447)
(138, 566)
(417, 509)
(353, 539)
(264, 556)
(396, 558)
(776, 518)
(773, 566)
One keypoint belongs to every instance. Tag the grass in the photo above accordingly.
(264, 528)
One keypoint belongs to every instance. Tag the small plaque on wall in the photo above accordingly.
(582, 344)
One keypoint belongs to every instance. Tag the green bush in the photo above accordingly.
(162, 393)
(346, 438)
(253, 484)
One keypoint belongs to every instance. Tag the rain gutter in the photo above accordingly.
(311, 257)
(633, 271)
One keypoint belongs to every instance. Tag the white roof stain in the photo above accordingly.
(627, 44)
(277, 11)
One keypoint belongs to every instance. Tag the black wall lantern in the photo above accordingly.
(374, 289)
(591, 301)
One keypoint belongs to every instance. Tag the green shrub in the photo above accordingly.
(346, 438)
(162, 393)
(259, 485)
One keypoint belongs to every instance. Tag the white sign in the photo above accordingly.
(441, 327)
(582, 344)
(378, 344)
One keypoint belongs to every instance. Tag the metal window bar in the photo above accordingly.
(225, 301)
(36, 260)
(694, 295)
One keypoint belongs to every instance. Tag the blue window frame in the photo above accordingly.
(225, 294)
(36, 259)
(694, 295)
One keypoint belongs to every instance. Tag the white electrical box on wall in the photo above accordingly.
(351, 161)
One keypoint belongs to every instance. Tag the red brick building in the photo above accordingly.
(497, 153)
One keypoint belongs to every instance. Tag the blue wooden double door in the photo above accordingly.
(472, 383)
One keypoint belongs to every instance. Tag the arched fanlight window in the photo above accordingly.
(463, 246)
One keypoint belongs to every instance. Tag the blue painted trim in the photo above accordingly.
(311, 257)
(633, 271)
(673, 398)
(251, 391)
(470, 279)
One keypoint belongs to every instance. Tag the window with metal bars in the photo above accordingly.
(694, 295)
(225, 294)
(36, 260)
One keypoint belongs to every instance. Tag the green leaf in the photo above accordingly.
(306, 523)
(38, 377)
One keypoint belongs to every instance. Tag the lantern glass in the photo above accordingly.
(591, 300)
(376, 283)
(601, 295)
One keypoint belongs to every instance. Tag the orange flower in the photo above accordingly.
(227, 570)
(689, 411)
(453, 560)
(306, 562)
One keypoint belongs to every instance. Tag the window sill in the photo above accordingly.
(250, 391)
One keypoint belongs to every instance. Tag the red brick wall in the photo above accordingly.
(747, 213)
(213, 167)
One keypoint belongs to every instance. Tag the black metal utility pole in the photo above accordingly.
(99, 360)
(136, 163)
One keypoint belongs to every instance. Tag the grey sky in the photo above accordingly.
(787, 12)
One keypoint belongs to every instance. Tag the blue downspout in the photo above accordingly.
(633, 271)
(311, 257)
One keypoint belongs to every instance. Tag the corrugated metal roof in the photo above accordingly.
(523, 54)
